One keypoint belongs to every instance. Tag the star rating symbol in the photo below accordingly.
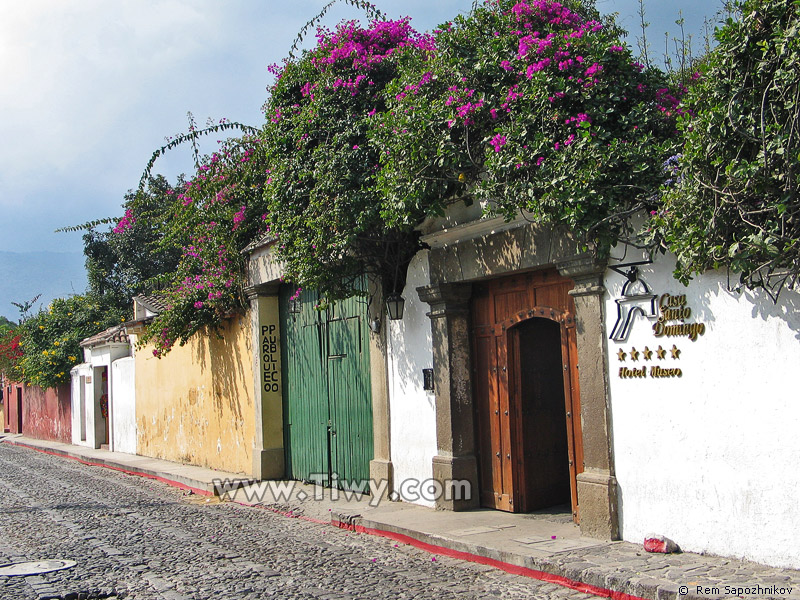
(621, 354)
(675, 352)
(634, 354)
(661, 353)
(647, 353)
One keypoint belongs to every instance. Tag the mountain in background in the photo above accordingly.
(51, 274)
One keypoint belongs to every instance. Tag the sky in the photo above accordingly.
(90, 88)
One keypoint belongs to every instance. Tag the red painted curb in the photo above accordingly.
(504, 566)
(170, 482)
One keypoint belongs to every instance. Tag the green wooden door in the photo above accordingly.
(327, 396)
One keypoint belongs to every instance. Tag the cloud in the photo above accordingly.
(91, 88)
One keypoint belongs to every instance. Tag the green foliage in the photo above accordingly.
(26, 306)
(321, 194)
(134, 255)
(734, 200)
(50, 339)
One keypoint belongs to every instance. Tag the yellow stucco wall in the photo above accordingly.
(195, 405)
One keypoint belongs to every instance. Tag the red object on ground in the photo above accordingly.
(660, 544)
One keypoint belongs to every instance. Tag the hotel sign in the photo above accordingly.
(672, 318)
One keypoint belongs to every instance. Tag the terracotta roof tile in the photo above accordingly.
(112, 335)
(154, 304)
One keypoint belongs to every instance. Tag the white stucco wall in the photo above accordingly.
(710, 458)
(412, 409)
(123, 411)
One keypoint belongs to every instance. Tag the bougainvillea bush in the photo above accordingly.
(536, 106)
(321, 194)
(533, 105)
(10, 350)
(733, 200)
(211, 218)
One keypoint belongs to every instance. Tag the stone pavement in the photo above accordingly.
(135, 538)
(544, 546)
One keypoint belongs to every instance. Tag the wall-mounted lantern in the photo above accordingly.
(394, 306)
(295, 305)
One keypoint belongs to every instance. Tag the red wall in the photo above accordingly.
(46, 414)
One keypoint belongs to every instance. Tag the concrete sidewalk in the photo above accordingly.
(542, 545)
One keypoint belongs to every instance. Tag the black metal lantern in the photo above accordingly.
(295, 305)
(394, 306)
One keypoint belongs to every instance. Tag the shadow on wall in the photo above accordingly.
(413, 333)
(787, 307)
(502, 253)
(221, 352)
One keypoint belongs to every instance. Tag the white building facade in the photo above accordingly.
(682, 416)
(103, 393)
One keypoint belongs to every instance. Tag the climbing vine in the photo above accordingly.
(533, 107)
(733, 194)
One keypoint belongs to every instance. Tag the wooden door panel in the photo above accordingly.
(554, 295)
(305, 389)
(350, 404)
(508, 303)
(573, 406)
(502, 430)
(486, 405)
(327, 394)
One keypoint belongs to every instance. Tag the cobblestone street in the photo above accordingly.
(137, 538)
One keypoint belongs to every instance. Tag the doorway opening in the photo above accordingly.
(537, 393)
(82, 406)
(19, 410)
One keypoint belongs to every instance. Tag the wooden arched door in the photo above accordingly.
(527, 401)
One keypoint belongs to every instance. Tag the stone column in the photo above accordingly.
(380, 467)
(597, 486)
(268, 451)
(455, 434)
